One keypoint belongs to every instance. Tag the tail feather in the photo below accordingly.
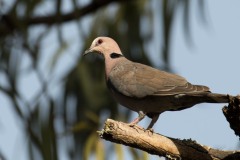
(206, 97)
(190, 99)
(201, 88)
(218, 98)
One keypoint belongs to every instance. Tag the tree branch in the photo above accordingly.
(157, 144)
(232, 114)
(9, 23)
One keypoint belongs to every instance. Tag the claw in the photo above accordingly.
(150, 130)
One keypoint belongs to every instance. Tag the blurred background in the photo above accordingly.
(52, 101)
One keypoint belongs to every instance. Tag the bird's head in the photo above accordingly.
(105, 46)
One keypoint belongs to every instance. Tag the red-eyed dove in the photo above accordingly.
(147, 90)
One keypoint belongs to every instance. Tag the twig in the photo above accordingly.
(9, 23)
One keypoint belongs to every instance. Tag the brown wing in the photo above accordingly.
(138, 80)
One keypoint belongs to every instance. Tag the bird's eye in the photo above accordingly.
(99, 41)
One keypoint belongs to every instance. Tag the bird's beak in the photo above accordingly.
(87, 51)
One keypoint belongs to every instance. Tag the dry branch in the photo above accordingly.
(232, 114)
(157, 144)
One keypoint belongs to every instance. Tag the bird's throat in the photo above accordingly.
(111, 61)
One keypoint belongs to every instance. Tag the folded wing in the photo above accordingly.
(138, 80)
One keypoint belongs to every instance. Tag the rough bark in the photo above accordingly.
(157, 144)
(232, 114)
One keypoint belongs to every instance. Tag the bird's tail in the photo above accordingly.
(207, 97)
(218, 98)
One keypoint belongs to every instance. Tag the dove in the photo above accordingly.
(146, 90)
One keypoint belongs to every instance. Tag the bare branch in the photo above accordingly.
(157, 144)
(9, 23)
(232, 114)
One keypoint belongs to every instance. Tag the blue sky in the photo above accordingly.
(212, 61)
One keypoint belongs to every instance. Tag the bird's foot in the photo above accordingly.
(150, 131)
(135, 126)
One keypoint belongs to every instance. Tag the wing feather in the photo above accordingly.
(138, 80)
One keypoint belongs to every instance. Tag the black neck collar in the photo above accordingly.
(115, 55)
